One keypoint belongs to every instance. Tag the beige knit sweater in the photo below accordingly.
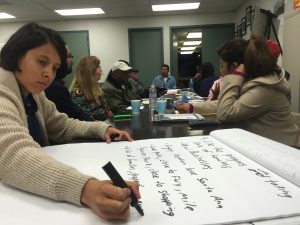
(23, 164)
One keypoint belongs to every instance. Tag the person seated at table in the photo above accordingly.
(29, 62)
(60, 95)
(255, 94)
(230, 58)
(164, 79)
(134, 80)
(117, 90)
(85, 90)
(228, 63)
(204, 80)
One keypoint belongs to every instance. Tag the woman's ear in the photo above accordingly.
(234, 66)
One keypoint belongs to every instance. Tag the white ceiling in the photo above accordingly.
(42, 10)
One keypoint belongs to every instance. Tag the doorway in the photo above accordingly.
(185, 66)
(185, 63)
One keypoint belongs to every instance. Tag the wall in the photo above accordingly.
(289, 37)
(215, 37)
(268, 5)
(109, 37)
(291, 51)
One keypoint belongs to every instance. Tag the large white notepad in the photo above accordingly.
(188, 180)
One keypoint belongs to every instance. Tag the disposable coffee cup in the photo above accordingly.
(135, 105)
(161, 106)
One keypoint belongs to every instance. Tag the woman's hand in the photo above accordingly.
(216, 92)
(116, 135)
(197, 76)
(183, 108)
(108, 201)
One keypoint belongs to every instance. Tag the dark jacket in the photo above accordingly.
(118, 96)
(59, 94)
(202, 87)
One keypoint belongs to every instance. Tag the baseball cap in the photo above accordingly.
(274, 48)
(120, 66)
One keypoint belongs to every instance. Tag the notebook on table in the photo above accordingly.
(178, 117)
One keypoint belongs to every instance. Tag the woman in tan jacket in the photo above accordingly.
(29, 62)
(254, 94)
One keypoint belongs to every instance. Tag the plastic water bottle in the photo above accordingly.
(152, 97)
(191, 85)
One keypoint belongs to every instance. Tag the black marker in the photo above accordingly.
(117, 180)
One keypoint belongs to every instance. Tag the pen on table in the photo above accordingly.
(122, 116)
(117, 180)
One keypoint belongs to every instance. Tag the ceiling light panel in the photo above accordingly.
(186, 52)
(191, 43)
(194, 35)
(77, 12)
(188, 48)
(6, 16)
(172, 7)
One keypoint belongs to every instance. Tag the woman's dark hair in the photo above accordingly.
(258, 58)
(26, 38)
(233, 51)
(207, 69)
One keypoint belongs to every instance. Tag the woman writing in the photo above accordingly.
(29, 62)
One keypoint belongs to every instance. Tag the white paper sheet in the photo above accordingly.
(184, 181)
(130, 108)
(277, 157)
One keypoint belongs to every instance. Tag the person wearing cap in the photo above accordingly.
(134, 80)
(164, 79)
(118, 92)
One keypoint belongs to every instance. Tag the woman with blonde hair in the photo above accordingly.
(85, 90)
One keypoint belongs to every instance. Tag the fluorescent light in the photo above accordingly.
(76, 12)
(188, 48)
(6, 16)
(171, 7)
(192, 42)
(186, 53)
(194, 35)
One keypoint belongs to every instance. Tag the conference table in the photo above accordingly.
(142, 126)
(34, 210)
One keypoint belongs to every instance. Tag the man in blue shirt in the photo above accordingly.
(164, 80)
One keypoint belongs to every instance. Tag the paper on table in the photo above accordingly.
(130, 108)
(189, 180)
(196, 100)
(145, 101)
(277, 157)
(173, 91)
